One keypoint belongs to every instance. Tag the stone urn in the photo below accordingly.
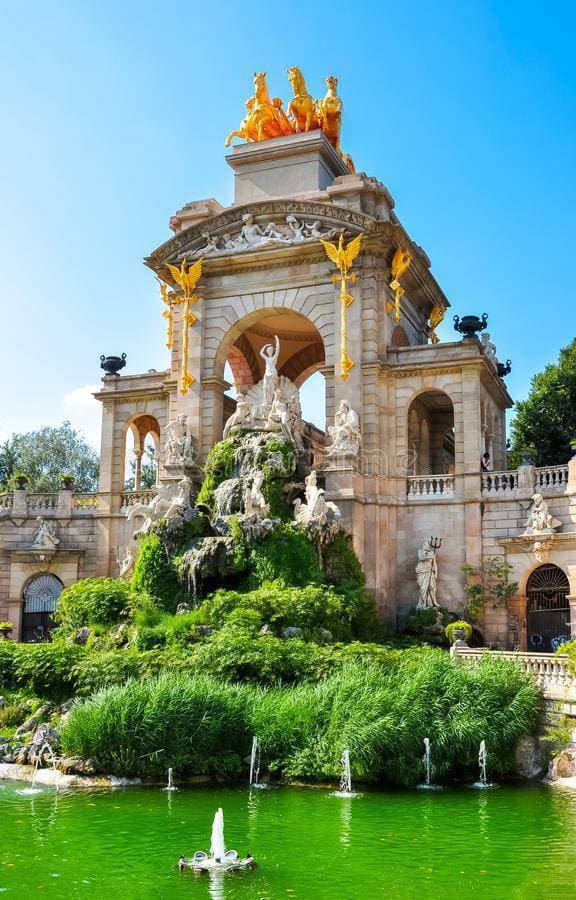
(468, 326)
(112, 364)
(21, 482)
(504, 368)
(6, 628)
(67, 482)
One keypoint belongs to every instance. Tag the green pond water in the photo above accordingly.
(509, 842)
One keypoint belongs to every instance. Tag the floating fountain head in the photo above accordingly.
(30, 791)
(220, 859)
(170, 786)
(346, 777)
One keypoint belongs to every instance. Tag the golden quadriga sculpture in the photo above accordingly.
(187, 279)
(265, 117)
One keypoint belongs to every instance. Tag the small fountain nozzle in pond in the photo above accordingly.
(482, 762)
(170, 786)
(346, 778)
(220, 859)
(428, 769)
(254, 763)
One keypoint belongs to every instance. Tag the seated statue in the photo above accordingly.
(345, 432)
(45, 538)
(241, 417)
(254, 500)
(540, 521)
(279, 416)
(178, 440)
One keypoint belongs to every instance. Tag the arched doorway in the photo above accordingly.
(40, 598)
(547, 609)
(431, 433)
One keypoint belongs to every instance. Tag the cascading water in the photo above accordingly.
(254, 762)
(32, 789)
(170, 786)
(346, 779)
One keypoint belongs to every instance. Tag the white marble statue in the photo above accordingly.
(279, 416)
(427, 575)
(241, 417)
(345, 432)
(180, 504)
(489, 348)
(270, 354)
(540, 521)
(127, 564)
(178, 440)
(45, 538)
(316, 511)
(254, 501)
(151, 512)
(256, 237)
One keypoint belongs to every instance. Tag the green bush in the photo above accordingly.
(155, 573)
(341, 564)
(218, 468)
(42, 669)
(380, 713)
(98, 670)
(453, 627)
(92, 601)
(287, 557)
(194, 725)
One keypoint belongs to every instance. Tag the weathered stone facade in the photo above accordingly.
(427, 411)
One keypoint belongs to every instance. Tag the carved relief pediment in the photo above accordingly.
(268, 225)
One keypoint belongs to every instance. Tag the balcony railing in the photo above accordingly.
(550, 672)
(499, 482)
(39, 502)
(132, 498)
(6, 501)
(426, 487)
(551, 479)
(85, 501)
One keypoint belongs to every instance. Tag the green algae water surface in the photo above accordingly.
(506, 843)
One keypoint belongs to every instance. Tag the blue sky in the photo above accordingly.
(114, 115)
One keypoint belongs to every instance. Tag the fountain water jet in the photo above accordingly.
(220, 859)
(346, 777)
(254, 763)
(170, 786)
(32, 789)
(483, 782)
(428, 769)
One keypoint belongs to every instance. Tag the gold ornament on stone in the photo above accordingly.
(436, 317)
(265, 117)
(187, 279)
(170, 299)
(343, 257)
(400, 264)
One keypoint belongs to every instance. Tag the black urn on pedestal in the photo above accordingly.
(504, 368)
(112, 364)
(469, 325)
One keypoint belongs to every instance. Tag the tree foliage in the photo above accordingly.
(545, 422)
(48, 454)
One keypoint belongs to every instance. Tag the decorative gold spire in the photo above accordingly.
(187, 279)
(343, 257)
(436, 317)
(400, 264)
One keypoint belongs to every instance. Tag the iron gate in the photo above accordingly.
(40, 598)
(547, 609)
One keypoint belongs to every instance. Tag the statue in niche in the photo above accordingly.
(270, 354)
(179, 440)
(540, 521)
(254, 501)
(345, 432)
(241, 417)
(45, 538)
(427, 575)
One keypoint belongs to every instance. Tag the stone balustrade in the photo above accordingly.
(429, 487)
(131, 498)
(550, 672)
(45, 502)
(85, 501)
(551, 479)
(6, 501)
(499, 483)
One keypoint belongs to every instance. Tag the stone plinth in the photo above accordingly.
(300, 164)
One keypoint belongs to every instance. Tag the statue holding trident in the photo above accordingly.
(427, 573)
(270, 354)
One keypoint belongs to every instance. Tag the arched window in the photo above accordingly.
(141, 453)
(40, 598)
(431, 433)
(547, 609)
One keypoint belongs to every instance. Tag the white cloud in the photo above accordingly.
(84, 412)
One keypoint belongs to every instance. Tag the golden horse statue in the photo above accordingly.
(330, 113)
(264, 117)
(302, 108)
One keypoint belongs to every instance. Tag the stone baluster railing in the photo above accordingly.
(499, 483)
(551, 479)
(131, 498)
(6, 501)
(550, 672)
(429, 487)
(42, 502)
(85, 501)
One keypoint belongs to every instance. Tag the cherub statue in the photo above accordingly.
(345, 432)
(45, 537)
(270, 354)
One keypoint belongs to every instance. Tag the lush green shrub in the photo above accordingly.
(92, 601)
(155, 573)
(98, 670)
(428, 625)
(42, 669)
(460, 626)
(287, 557)
(341, 564)
(195, 725)
(219, 466)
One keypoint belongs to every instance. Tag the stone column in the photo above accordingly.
(212, 412)
(572, 602)
(138, 470)
(572, 472)
(19, 505)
